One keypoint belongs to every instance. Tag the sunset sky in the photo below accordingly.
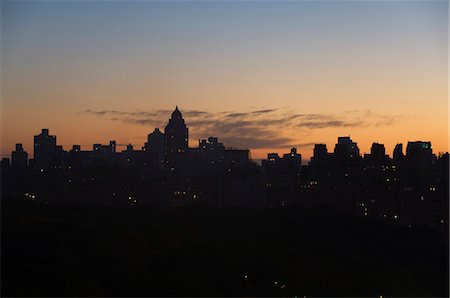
(264, 75)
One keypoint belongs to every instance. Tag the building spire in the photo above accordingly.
(176, 113)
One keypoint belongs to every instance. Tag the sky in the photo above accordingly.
(264, 75)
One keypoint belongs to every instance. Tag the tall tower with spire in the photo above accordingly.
(177, 135)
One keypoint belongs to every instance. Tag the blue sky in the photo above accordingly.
(62, 57)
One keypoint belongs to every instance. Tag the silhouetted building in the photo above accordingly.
(293, 160)
(105, 149)
(19, 157)
(419, 153)
(281, 176)
(320, 153)
(398, 155)
(320, 161)
(411, 190)
(5, 165)
(272, 158)
(129, 156)
(177, 135)
(212, 151)
(236, 156)
(104, 154)
(377, 151)
(44, 149)
(77, 158)
(214, 155)
(211, 145)
(345, 149)
(289, 163)
(155, 145)
(59, 156)
(377, 154)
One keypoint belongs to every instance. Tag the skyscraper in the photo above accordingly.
(44, 148)
(378, 154)
(320, 153)
(346, 148)
(398, 153)
(419, 153)
(19, 157)
(177, 135)
(155, 145)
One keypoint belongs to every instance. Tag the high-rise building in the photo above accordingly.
(19, 157)
(44, 148)
(155, 145)
(377, 150)
(177, 135)
(398, 155)
(346, 148)
(293, 160)
(320, 161)
(419, 153)
(378, 154)
(320, 153)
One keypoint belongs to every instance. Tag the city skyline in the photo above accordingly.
(166, 172)
(174, 140)
(267, 76)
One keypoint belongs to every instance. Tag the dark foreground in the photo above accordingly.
(73, 250)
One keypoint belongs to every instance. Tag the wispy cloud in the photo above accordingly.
(257, 128)
(332, 124)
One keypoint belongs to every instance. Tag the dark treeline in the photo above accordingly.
(67, 249)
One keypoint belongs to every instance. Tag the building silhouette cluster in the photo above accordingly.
(408, 189)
